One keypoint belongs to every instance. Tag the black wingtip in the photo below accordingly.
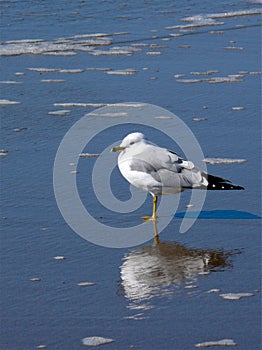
(236, 187)
(217, 183)
(224, 186)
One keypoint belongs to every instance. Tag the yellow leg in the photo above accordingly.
(153, 217)
(154, 207)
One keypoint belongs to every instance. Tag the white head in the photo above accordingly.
(130, 141)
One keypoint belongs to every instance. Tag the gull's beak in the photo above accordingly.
(117, 148)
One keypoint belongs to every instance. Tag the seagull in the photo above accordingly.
(160, 171)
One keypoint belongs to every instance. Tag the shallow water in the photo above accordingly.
(151, 296)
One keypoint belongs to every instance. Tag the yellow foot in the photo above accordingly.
(148, 218)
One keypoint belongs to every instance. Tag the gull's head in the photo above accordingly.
(129, 141)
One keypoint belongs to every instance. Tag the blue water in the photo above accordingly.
(152, 309)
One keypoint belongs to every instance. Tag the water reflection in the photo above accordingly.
(165, 268)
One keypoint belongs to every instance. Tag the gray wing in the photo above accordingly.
(168, 168)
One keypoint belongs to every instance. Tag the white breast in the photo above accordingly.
(137, 178)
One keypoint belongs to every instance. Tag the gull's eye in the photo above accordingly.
(132, 142)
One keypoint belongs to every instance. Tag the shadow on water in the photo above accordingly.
(167, 268)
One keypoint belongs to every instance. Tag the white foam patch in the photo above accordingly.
(213, 80)
(60, 112)
(229, 14)
(208, 72)
(10, 82)
(223, 160)
(59, 257)
(236, 48)
(140, 45)
(8, 102)
(86, 284)
(51, 70)
(60, 53)
(26, 41)
(122, 72)
(98, 105)
(200, 119)
(117, 51)
(3, 152)
(235, 296)
(43, 70)
(108, 115)
(102, 69)
(223, 342)
(97, 35)
(78, 104)
(53, 80)
(163, 117)
(197, 21)
(128, 105)
(62, 46)
(153, 53)
(189, 81)
(239, 108)
(89, 155)
(73, 71)
(112, 53)
(210, 19)
(96, 341)
(219, 80)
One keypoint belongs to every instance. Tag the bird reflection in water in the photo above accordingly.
(167, 268)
